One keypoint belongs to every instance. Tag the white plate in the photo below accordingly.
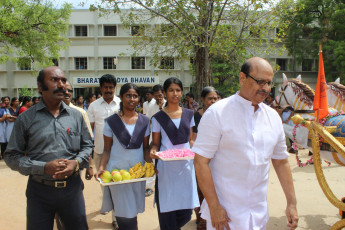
(175, 159)
(124, 181)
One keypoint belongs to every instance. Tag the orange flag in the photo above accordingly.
(320, 99)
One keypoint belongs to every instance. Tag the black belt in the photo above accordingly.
(54, 183)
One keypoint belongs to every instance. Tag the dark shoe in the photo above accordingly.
(291, 150)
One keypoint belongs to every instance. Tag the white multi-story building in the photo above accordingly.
(100, 45)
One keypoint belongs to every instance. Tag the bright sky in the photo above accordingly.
(75, 3)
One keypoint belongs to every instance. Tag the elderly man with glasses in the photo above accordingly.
(238, 137)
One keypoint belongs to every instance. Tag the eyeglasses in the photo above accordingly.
(261, 82)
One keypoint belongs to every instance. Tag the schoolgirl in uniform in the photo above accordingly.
(175, 190)
(126, 142)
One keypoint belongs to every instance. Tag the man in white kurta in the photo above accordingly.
(149, 101)
(101, 109)
(237, 138)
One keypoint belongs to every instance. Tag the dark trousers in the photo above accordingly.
(173, 220)
(44, 201)
(3, 149)
(127, 223)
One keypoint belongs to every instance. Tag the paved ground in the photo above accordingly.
(315, 211)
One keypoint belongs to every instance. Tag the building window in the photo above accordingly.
(109, 30)
(279, 33)
(255, 33)
(138, 62)
(81, 63)
(109, 62)
(81, 31)
(167, 63)
(137, 30)
(282, 63)
(24, 63)
(307, 65)
(166, 29)
(55, 61)
(192, 60)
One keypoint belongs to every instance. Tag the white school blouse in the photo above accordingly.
(240, 144)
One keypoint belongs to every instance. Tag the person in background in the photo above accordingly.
(2, 104)
(139, 108)
(3, 119)
(150, 101)
(80, 102)
(190, 103)
(176, 190)
(21, 100)
(219, 95)
(99, 95)
(3, 139)
(160, 101)
(91, 98)
(208, 97)
(27, 103)
(67, 101)
(73, 101)
(98, 111)
(123, 152)
(6, 102)
(12, 114)
(238, 138)
(35, 100)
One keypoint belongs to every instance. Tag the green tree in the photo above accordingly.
(312, 22)
(225, 75)
(32, 29)
(25, 91)
(199, 29)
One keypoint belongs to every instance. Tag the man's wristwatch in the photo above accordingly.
(77, 167)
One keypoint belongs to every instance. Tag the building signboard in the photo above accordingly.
(94, 81)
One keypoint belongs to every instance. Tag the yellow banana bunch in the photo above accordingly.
(136, 171)
(136, 166)
(139, 171)
(149, 169)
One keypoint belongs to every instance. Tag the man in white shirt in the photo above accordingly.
(99, 110)
(149, 101)
(159, 101)
(237, 138)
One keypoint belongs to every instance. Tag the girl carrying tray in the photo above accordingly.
(126, 142)
(175, 190)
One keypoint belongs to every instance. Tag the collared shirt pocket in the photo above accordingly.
(75, 141)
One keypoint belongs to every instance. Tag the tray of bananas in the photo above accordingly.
(137, 173)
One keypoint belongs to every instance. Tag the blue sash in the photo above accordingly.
(180, 135)
(122, 134)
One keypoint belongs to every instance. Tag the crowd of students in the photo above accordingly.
(172, 127)
(10, 108)
(234, 140)
(156, 118)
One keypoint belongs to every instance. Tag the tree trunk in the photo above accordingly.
(202, 56)
(202, 70)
